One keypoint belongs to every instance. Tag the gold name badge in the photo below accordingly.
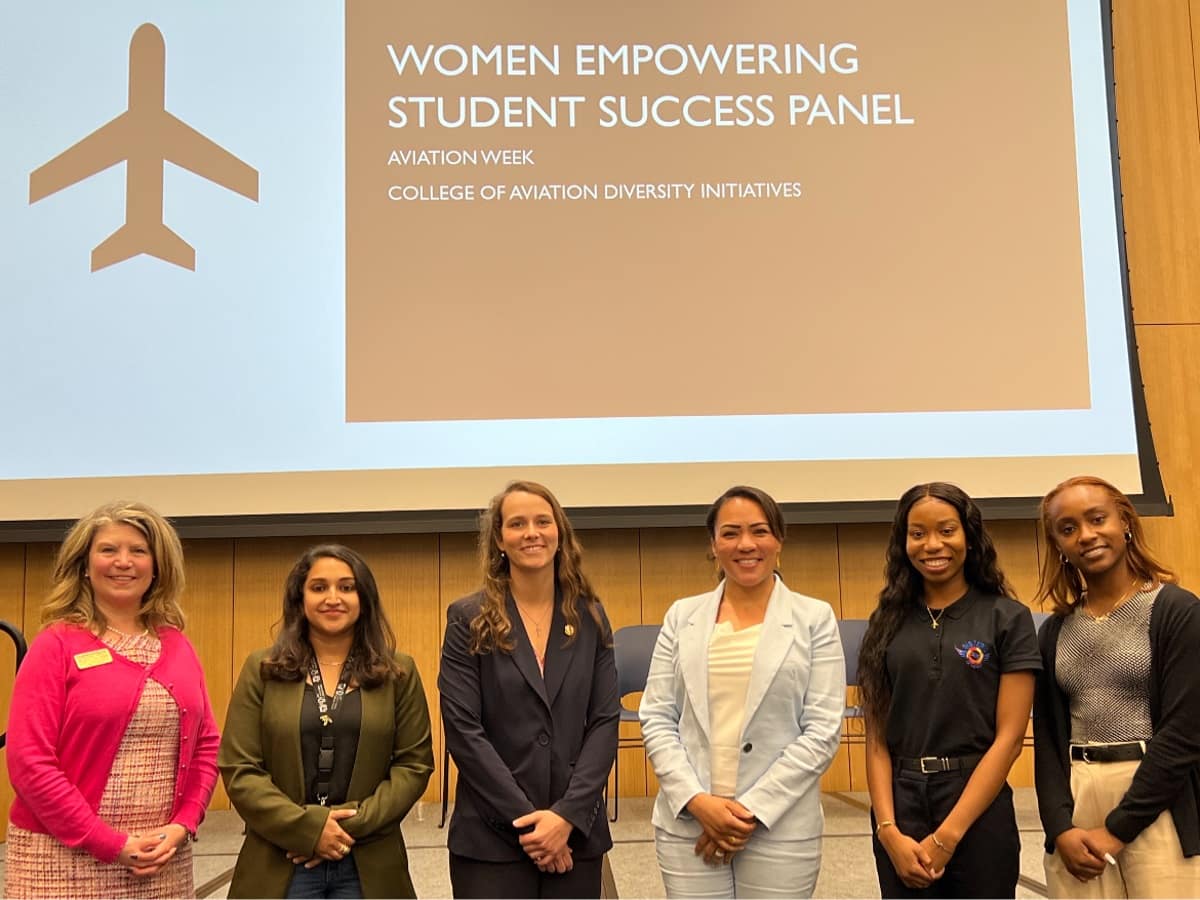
(93, 658)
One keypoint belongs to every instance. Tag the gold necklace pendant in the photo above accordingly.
(934, 620)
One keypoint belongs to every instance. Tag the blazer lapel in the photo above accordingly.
(778, 633)
(282, 701)
(378, 709)
(693, 653)
(559, 657)
(522, 655)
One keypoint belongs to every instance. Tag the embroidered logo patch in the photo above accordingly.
(976, 653)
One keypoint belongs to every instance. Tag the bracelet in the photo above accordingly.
(940, 845)
(882, 825)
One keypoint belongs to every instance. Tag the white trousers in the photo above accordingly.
(764, 868)
(1152, 866)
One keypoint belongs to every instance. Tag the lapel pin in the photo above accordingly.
(569, 629)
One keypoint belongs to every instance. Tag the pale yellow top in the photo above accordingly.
(730, 658)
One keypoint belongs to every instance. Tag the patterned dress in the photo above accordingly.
(138, 797)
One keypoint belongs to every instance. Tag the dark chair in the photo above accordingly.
(852, 632)
(632, 648)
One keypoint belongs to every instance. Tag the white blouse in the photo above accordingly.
(730, 658)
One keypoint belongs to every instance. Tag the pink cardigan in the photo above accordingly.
(66, 724)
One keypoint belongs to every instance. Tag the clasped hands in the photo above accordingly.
(546, 844)
(1086, 851)
(146, 854)
(333, 844)
(917, 863)
(727, 827)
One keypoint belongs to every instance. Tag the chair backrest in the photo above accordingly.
(633, 646)
(852, 631)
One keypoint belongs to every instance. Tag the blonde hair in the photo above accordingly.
(71, 598)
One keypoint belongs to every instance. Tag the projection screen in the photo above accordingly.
(308, 259)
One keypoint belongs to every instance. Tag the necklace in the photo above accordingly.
(332, 662)
(934, 620)
(126, 634)
(1129, 592)
(537, 626)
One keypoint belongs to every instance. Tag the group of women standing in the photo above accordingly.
(114, 751)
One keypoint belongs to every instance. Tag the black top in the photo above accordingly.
(347, 719)
(945, 680)
(1168, 777)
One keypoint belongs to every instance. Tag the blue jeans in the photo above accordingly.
(334, 879)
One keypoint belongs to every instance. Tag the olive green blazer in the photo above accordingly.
(260, 761)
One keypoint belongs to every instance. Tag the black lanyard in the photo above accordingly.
(327, 708)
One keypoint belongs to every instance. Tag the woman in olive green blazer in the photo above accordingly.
(261, 756)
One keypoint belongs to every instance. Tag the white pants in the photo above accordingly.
(764, 868)
(1152, 866)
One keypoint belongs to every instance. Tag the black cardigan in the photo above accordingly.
(1168, 777)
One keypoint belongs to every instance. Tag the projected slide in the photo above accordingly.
(320, 257)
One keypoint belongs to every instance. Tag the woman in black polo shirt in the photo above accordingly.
(1117, 727)
(946, 679)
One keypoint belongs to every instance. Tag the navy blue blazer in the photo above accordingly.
(522, 741)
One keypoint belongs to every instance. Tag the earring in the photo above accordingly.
(1062, 558)
(503, 555)
(1128, 535)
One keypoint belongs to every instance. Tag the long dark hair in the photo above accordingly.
(1061, 582)
(491, 629)
(373, 651)
(904, 589)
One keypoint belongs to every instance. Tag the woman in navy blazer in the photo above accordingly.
(530, 709)
(741, 716)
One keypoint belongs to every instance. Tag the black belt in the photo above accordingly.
(929, 765)
(1103, 753)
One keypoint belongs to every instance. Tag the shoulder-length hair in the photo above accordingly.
(491, 629)
(904, 587)
(1060, 582)
(372, 653)
(72, 599)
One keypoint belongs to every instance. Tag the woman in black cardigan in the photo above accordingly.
(1117, 712)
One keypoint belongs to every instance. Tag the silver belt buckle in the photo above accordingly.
(935, 761)
(1084, 755)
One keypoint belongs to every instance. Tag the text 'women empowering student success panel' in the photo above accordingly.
(708, 210)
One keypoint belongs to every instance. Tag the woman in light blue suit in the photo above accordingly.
(741, 716)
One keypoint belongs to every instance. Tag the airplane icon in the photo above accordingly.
(145, 137)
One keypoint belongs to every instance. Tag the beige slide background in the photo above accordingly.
(912, 250)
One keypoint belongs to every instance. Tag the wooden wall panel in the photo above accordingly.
(1160, 156)
(12, 610)
(1169, 356)
(208, 605)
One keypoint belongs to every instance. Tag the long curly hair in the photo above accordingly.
(372, 653)
(1060, 582)
(491, 629)
(904, 589)
(71, 598)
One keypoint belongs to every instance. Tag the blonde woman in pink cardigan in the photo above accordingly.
(112, 743)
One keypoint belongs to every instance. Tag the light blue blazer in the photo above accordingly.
(794, 705)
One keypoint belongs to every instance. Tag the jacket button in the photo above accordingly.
(544, 739)
(747, 747)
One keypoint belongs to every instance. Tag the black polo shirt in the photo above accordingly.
(945, 680)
